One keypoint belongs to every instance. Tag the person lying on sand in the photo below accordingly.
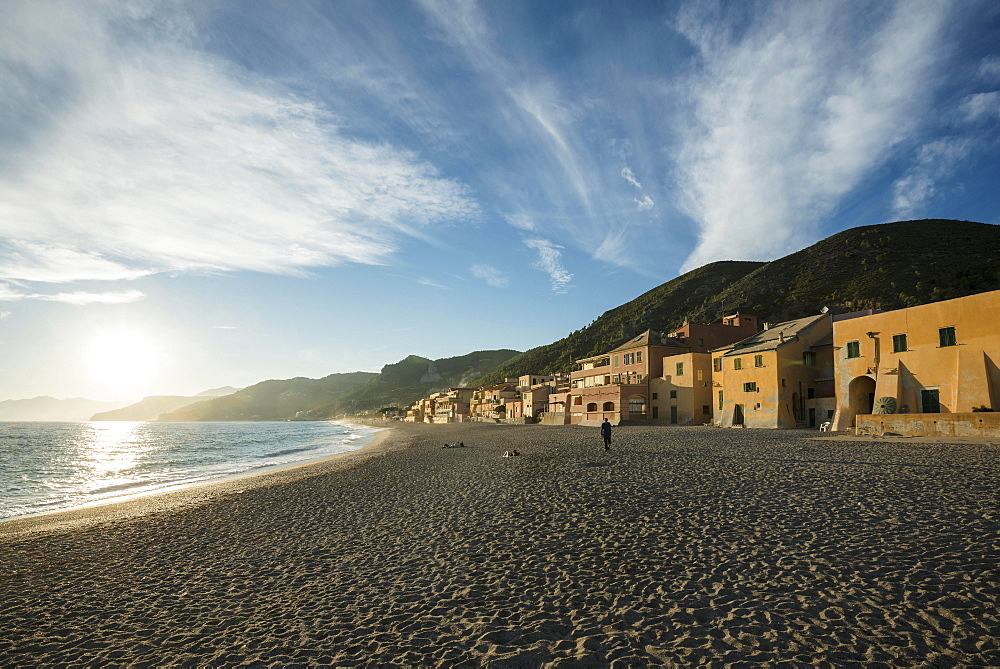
(511, 454)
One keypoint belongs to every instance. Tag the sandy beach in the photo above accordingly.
(680, 546)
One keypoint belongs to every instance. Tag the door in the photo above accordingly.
(812, 417)
(930, 401)
(673, 414)
(737, 414)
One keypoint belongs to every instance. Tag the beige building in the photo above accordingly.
(618, 385)
(682, 395)
(940, 358)
(780, 377)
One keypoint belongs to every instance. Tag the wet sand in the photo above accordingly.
(679, 546)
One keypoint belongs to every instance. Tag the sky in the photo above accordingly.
(209, 193)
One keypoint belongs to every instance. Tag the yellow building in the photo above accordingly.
(781, 377)
(683, 394)
(939, 358)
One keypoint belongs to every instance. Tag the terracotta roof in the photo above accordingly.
(650, 338)
(770, 339)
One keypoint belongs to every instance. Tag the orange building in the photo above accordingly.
(939, 358)
(618, 385)
(682, 394)
(781, 377)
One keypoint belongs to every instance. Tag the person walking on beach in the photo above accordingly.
(606, 433)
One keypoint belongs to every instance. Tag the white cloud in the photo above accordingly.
(981, 105)
(550, 262)
(429, 282)
(4, 314)
(989, 68)
(935, 161)
(629, 176)
(644, 204)
(78, 298)
(491, 275)
(792, 115)
(522, 222)
(222, 327)
(143, 154)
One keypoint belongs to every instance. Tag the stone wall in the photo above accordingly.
(975, 424)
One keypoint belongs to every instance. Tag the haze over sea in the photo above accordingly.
(50, 466)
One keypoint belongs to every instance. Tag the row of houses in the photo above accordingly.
(910, 364)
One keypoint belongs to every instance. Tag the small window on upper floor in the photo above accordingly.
(680, 369)
(758, 361)
(717, 364)
(737, 363)
(809, 358)
(701, 342)
(638, 356)
(853, 349)
(750, 387)
(947, 335)
(898, 343)
(673, 394)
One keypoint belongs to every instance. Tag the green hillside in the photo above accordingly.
(398, 384)
(887, 266)
(276, 400)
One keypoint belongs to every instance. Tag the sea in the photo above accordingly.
(56, 466)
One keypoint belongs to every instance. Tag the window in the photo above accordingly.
(782, 383)
(809, 358)
(609, 406)
(720, 400)
(810, 393)
(717, 364)
(680, 369)
(750, 387)
(655, 395)
(853, 349)
(636, 405)
(592, 406)
(930, 401)
(638, 356)
(638, 378)
(616, 361)
(673, 394)
(701, 342)
(706, 410)
(947, 336)
(578, 400)
(758, 361)
(737, 363)
(898, 343)
(701, 374)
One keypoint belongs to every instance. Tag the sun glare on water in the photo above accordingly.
(123, 360)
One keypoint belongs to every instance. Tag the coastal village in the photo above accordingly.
(927, 370)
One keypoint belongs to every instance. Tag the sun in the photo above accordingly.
(123, 360)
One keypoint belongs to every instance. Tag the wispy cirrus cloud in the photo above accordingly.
(550, 262)
(77, 298)
(935, 160)
(491, 275)
(130, 151)
(790, 116)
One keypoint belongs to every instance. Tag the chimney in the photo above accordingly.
(767, 326)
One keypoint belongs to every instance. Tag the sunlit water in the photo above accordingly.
(49, 466)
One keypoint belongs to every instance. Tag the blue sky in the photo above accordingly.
(266, 190)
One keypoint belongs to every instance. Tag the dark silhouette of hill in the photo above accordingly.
(149, 408)
(886, 266)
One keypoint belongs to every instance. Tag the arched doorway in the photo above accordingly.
(861, 394)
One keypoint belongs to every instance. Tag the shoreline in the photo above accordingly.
(187, 495)
(678, 547)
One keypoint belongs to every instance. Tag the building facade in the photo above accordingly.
(938, 358)
(781, 377)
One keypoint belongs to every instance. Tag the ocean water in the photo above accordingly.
(52, 466)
